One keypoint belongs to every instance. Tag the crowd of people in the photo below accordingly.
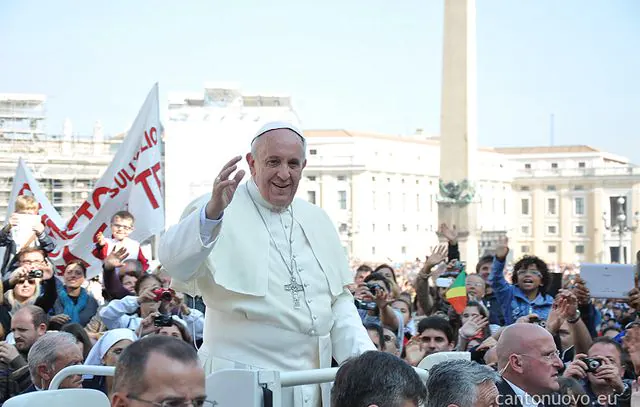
(535, 336)
(99, 317)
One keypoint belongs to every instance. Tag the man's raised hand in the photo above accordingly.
(224, 188)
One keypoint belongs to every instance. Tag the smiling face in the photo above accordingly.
(24, 289)
(277, 166)
(529, 279)
(121, 227)
(73, 276)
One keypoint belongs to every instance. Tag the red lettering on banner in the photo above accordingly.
(68, 257)
(101, 229)
(25, 187)
(54, 230)
(156, 169)
(122, 184)
(142, 178)
(82, 211)
(97, 193)
(113, 192)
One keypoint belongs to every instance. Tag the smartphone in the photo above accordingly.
(444, 282)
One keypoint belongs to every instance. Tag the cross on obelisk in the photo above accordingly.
(458, 148)
(294, 288)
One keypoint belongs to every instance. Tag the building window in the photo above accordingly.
(373, 227)
(404, 202)
(342, 199)
(389, 200)
(373, 250)
(403, 250)
(388, 227)
(524, 202)
(56, 184)
(579, 249)
(552, 229)
(581, 164)
(57, 198)
(554, 165)
(579, 206)
(402, 181)
(578, 187)
(311, 178)
(404, 228)
(524, 229)
(524, 249)
(311, 197)
(342, 178)
(417, 228)
(551, 188)
(551, 206)
(417, 202)
(388, 179)
(524, 188)
(373, 199)
(373, 179)
(579, 230)
(313, 151)
(527, 166)
(343, 228)
(417, 182)
(551, 249)
(504, 206)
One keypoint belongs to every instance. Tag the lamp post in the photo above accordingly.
(621, 226)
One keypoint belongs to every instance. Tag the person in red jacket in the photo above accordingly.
(121, 227)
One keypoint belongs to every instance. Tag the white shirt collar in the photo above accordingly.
(525, 399)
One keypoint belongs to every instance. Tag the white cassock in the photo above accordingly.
(256, 317)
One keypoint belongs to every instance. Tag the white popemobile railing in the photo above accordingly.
(254, 388)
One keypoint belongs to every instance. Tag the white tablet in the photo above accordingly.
(608, 280)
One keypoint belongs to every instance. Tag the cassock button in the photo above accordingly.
(312, 332)
(306, 285)
(315, 318)
(309, 301)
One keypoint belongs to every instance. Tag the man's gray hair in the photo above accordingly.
(456, 382)
(254, 143)
(47, 349)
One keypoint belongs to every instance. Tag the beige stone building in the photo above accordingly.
(568, 204)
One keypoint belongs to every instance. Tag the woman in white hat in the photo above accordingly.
(106, 353)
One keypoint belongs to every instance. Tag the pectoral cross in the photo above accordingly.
(294, 288)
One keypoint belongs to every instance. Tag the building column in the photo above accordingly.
(567, 252)
(595, 227)
(537, 221)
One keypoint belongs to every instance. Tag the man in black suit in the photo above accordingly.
(529, 363)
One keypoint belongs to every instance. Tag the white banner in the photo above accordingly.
(132, 182)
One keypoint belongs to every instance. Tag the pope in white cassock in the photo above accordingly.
(270, 269)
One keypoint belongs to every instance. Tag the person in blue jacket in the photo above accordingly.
(526, 294)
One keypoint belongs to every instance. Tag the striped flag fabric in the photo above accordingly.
(457, 293)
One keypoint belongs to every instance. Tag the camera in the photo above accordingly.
(374, 287)
(35, 274)
(365, 305)
(538, 321)
(592, 364)
(163, 294)
(162, 321)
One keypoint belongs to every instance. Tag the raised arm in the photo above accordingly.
(185, 246)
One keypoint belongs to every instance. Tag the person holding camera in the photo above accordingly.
(601, 373)
(139, 313)
(24, 284)
(373, 300)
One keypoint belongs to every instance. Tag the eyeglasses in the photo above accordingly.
(176, 402)
(550, 357)
(476, 284)
(125, 227)
(31, 262)
(29, 281)
(534, 273)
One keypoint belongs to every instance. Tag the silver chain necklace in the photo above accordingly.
(293, 286)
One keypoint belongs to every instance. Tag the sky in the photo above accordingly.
(366, 65)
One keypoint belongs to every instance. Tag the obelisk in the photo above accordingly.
(458, 145)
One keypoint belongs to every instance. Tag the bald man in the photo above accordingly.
(529, 363)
